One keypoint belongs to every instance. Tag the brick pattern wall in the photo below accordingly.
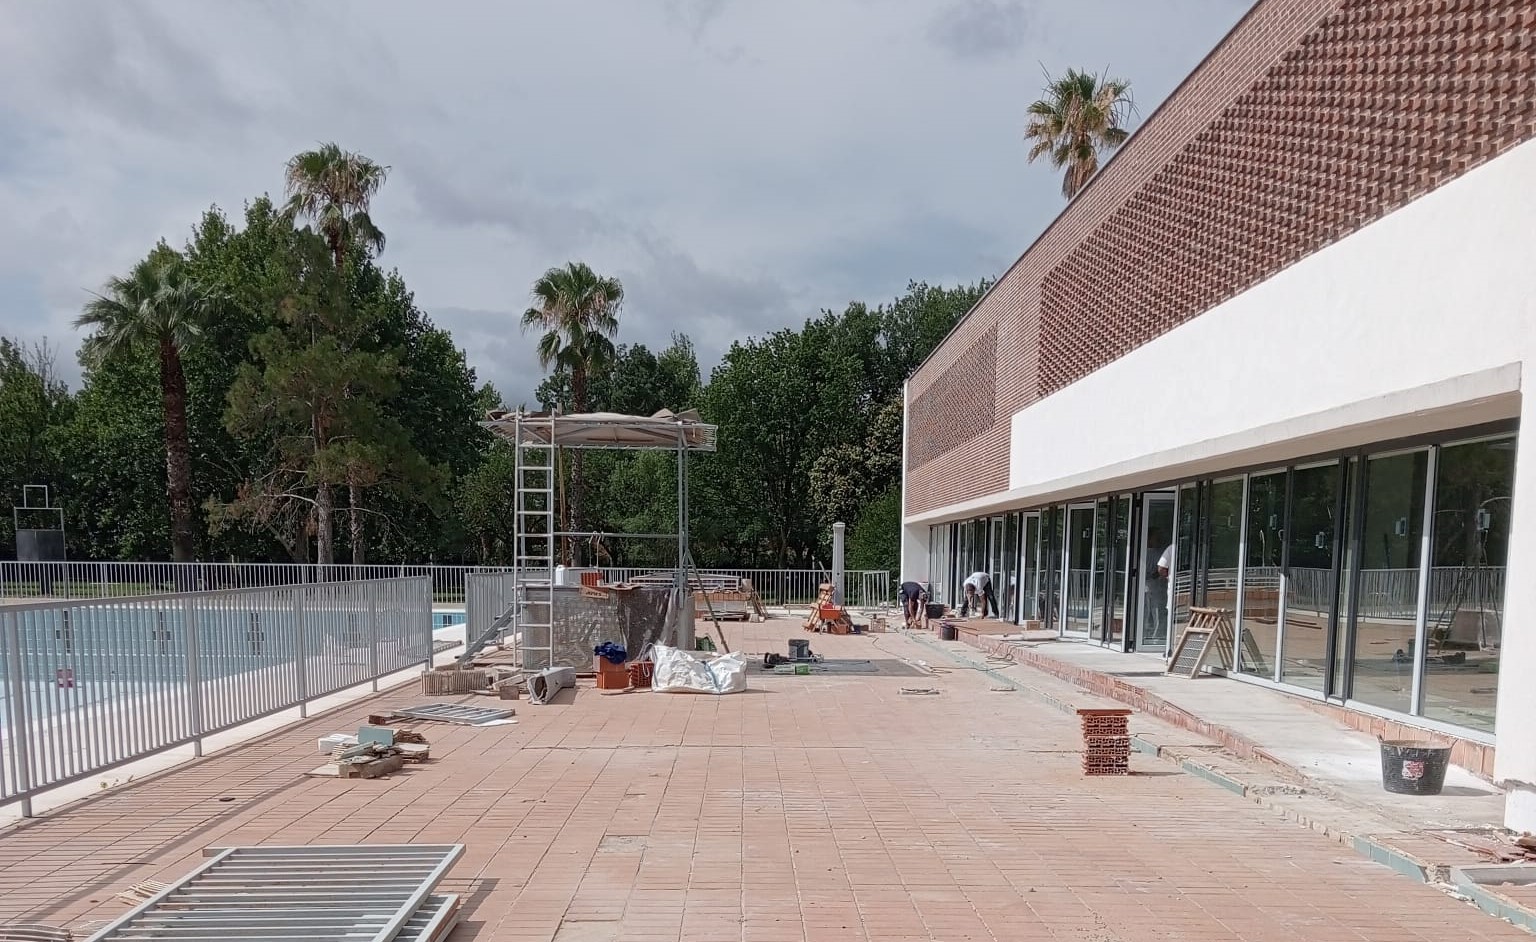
(1312, 119)
(955, 411)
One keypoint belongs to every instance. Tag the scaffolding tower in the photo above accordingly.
(539, 441)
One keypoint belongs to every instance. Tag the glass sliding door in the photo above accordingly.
(1341, 654)
(1187, 539)
(1310, 581)
(1098, 583)
(1053, 543)
(1157, 511)
(1116, 605)
(1077, 570)
(1259, 621)
(1386, 579)
(1031, 600)
(1218, 580)
(1474, 482)
(1007, 578)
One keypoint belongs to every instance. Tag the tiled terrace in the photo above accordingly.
(816, 807)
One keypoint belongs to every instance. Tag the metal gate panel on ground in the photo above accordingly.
(360, 893)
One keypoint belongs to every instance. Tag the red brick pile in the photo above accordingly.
(610, 676)
(1106, 742)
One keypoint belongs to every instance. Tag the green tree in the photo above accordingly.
(1079, 116)
(334, 189)
(158, 306)
(874, 539)
(577, 309)
(34, 405)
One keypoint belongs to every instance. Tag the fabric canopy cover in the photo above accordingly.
(666, 430)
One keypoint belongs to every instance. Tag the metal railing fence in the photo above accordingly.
(88, 580)
(89, 685)
(91, 580)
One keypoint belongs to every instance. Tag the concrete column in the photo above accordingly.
(914, 553)
(1515, 759)
(839, 538)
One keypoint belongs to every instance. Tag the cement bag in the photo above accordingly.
(678, 671)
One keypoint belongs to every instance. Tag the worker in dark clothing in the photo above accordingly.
(913, 597)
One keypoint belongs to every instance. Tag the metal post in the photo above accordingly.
(373, 635)
(682, 635)
(1426, 571)
(839, 538)
(21, 728)
(427, 628)
(301, 655)
(194, 677)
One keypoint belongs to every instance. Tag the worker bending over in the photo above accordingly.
(978, 592)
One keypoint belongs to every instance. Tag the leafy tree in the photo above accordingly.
(1080, 116)
(334, 189)
(34, 403)
(578, 311)
(874, 539)
(158, 306)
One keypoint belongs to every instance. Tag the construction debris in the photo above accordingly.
(140, 892)
(376, 750)
(1106, 742)
(458, 713)
(919, 692)
(828, 616)
(33, 932)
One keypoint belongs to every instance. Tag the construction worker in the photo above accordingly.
(912, 597)
(978, 592)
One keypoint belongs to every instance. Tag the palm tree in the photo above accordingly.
(158, 307)
(333, 189)
(1080, 116)
(578, 311)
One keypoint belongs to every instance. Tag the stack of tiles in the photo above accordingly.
(1106, 742)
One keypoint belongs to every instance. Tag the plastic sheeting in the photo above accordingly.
(678, 671)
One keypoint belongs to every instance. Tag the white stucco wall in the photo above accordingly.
(914, 537)
(1424, 320)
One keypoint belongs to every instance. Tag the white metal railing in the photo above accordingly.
(786, 588)
(91, 580)
(89, 685)
(489, 594)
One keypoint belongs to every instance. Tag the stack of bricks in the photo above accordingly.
(1106, 742)
(610, 676)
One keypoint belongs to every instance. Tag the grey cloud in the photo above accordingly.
(670, 292)
(739, 165)
(514, 206)
(981, 28)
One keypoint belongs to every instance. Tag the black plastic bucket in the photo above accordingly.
(1411, 767)
(935, 610)
(946, 632)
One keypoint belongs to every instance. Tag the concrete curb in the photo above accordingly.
(1450, 880)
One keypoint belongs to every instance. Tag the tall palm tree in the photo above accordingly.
(157, 307)
(334, 189)
(1080, 116)
(578, 311)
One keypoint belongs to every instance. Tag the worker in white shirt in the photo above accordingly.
(1156, 598)
(978, 592)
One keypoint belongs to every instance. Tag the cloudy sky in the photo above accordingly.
(739, 164)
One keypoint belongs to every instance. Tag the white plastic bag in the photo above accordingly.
(678, 671)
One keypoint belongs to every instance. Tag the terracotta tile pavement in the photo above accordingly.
(822, 807)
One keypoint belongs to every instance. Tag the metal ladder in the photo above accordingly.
(533, 562)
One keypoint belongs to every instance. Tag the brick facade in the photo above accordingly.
(1312, 119)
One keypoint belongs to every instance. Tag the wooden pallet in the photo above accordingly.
(1209, 634)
